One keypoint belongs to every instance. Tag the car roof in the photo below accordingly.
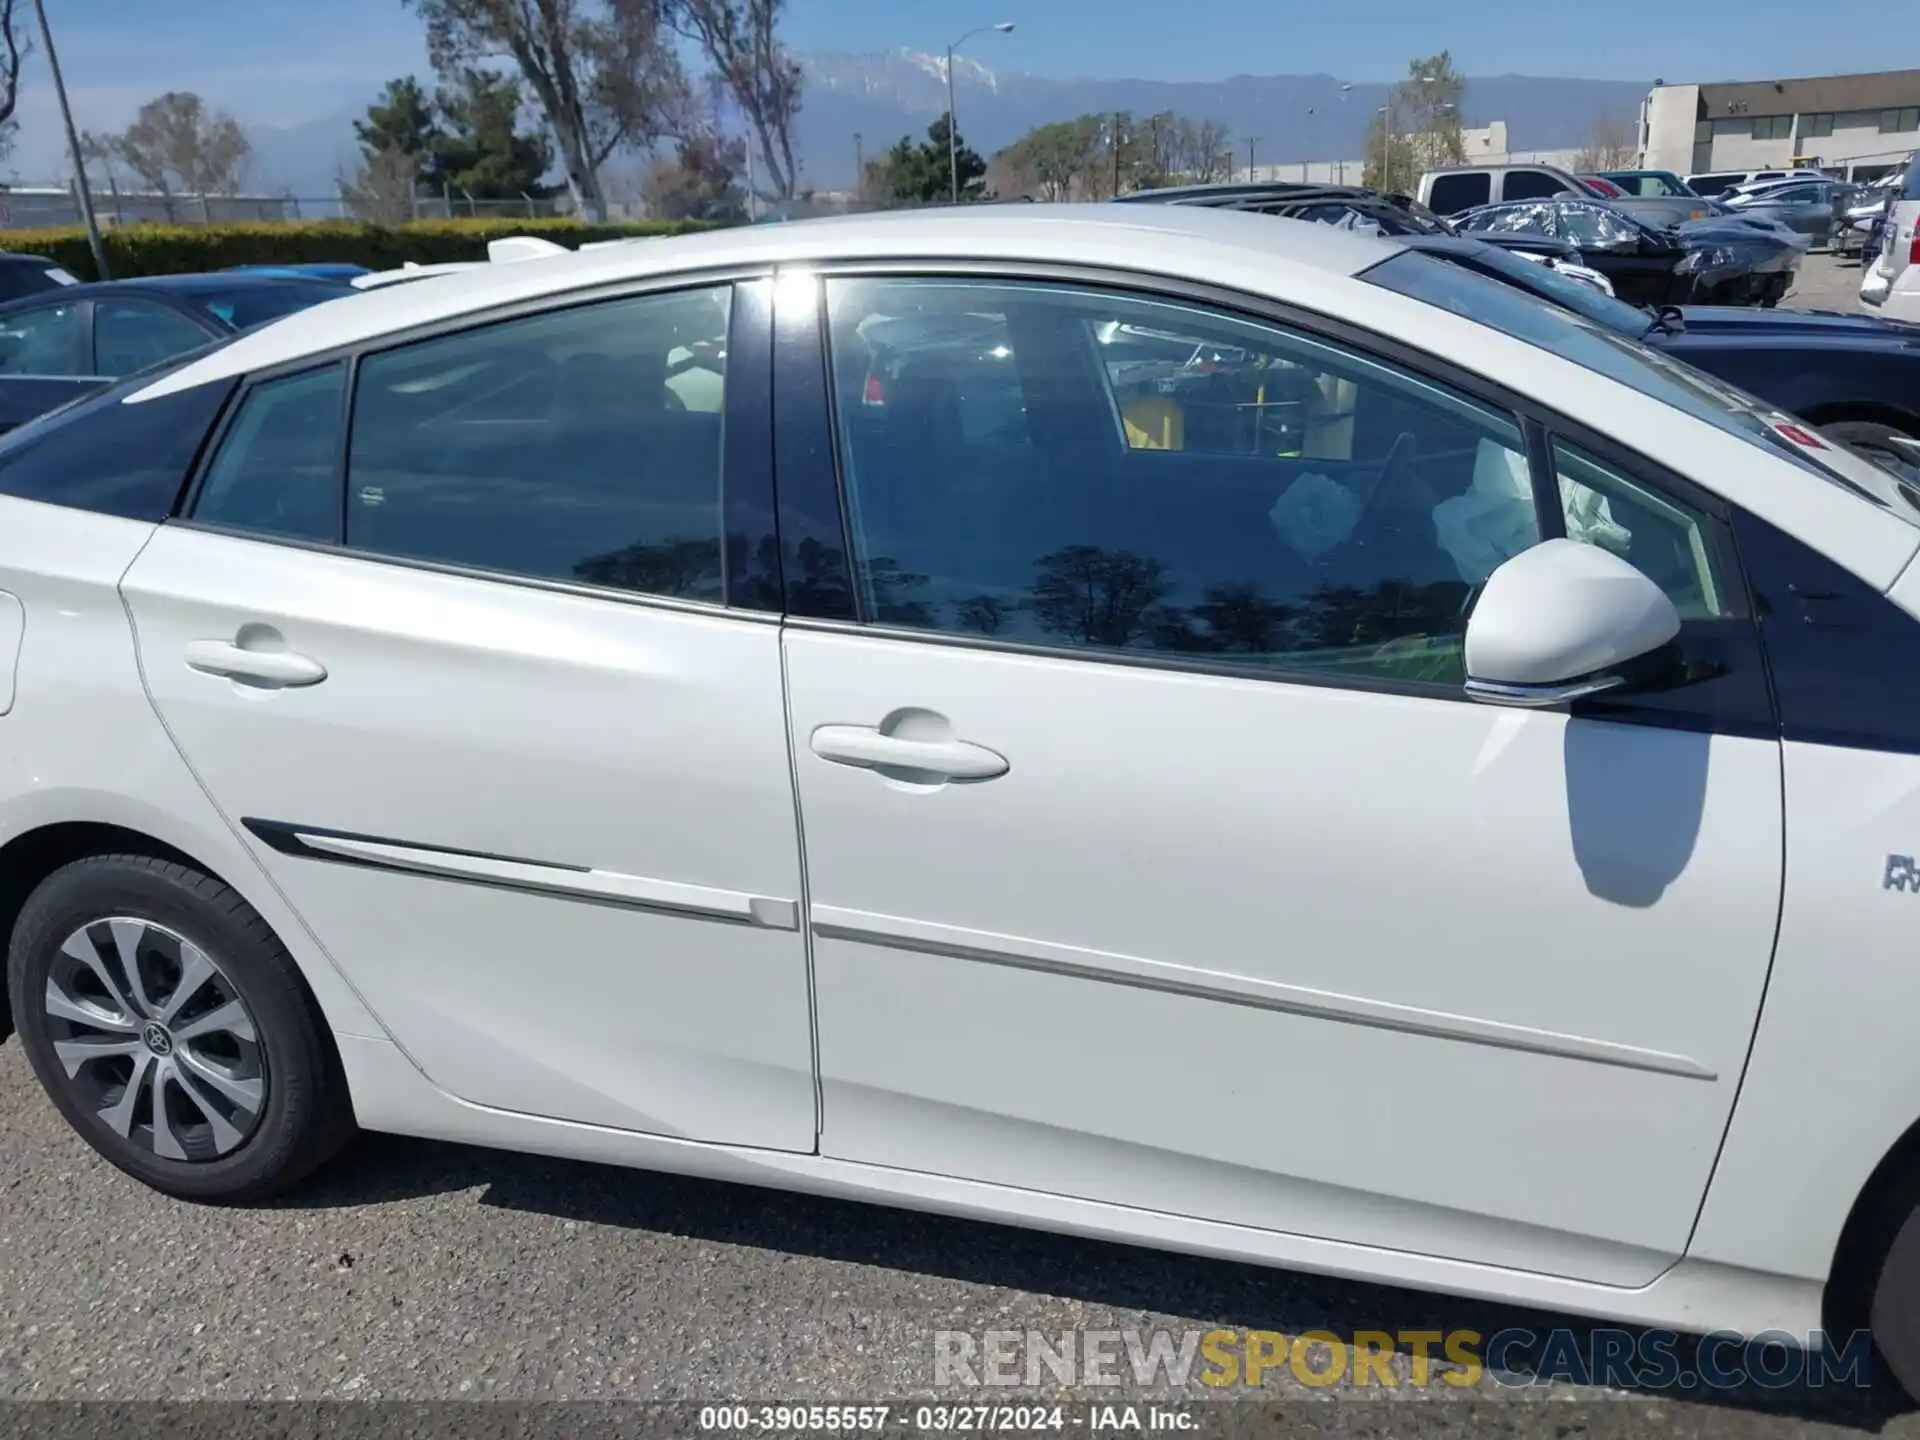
(1166, 240)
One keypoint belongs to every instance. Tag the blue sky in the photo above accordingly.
(278, 62)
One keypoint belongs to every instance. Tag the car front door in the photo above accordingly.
(1154, 854)
(487, 719)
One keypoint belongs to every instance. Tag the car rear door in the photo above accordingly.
(465, 674)
(1155, 856)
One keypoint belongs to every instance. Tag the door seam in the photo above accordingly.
(806, 894)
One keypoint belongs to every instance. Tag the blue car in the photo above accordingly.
(61, 344)
(317, 270)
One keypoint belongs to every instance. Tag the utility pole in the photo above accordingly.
(80, 188)
(1118, 141)
(1005, 27)
(1251, 140)
(859, 168)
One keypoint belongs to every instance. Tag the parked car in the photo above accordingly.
(1370, 212)
(321, 812)
(1864, 220)
(1814, 208)
(70, 340)
(1653, 184)
(1715, 183)
(311, 270)
(1600, 185)
(23, 275)
(1891, 284)
(1720, 265)
(1855, 378)
(1456, 189)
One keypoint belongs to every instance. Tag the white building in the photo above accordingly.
(1486, 145)
(1860, 126)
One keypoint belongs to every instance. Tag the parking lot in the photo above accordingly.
(1825, 283)
(430, 1272)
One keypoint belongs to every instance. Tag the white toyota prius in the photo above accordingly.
(1164, 724)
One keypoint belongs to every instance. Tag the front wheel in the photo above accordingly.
(173, 1031)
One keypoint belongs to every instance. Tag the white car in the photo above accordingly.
(977, 764)
(1890, 287)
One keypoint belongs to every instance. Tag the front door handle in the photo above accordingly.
(867, 747)
(262, 667)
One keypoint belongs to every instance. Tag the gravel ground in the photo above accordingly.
(419, 1272)
(1825, 283)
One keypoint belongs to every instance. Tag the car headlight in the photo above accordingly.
(1706, 259)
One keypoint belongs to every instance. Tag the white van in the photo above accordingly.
(1891, 285)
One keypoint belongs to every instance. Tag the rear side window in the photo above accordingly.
(1454, 193)
(581, 445)
(109, 456)
(275, 470)
(1531, 185)
(130, 335)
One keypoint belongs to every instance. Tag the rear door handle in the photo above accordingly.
(264, 667)
(865, 746)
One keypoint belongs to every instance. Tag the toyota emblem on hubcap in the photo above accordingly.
(157, 1039)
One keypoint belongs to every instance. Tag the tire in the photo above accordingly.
(1870, 439)
(242, 1071)
(1893, 1317)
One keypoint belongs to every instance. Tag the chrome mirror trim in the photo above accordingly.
(1534, 697)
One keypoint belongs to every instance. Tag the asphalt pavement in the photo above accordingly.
(411, 1271)
(1825, 283)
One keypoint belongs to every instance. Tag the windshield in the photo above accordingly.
(1577, 338)
(246, 305)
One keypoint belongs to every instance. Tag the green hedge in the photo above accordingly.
(172, 249)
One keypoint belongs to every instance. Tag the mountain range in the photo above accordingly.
(881, 97)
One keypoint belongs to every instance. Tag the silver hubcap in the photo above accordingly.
(155, 1039)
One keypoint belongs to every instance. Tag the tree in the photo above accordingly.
(382, 187)
(755, 73)
(1058, 158)
(603, 72)
(1612, 144)
(176, 145)
(1421, 129)
(14, 47)
(910, 173)
(477, 148)
(1200, 150)
(700, 181)
(401, 121)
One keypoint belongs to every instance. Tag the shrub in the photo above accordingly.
(172, 249)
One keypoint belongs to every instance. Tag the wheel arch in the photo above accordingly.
(67, 829)
(1882, 1206)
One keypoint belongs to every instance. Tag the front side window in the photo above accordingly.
(275, 472)
(46, 340)
(1590, 227)
(1073, 467)
(580, 445)
(1535, 219)
(1662, 539)
(130, 335)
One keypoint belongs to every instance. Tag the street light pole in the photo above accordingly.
(73, 142)
(1005, 27)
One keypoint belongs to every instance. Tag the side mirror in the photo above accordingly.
(1558, 621)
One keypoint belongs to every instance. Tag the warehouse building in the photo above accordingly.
(1859, 126)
